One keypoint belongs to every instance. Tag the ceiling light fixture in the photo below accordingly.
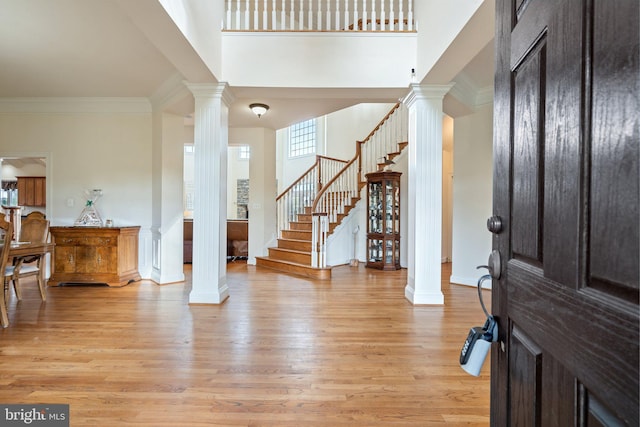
(259, 109)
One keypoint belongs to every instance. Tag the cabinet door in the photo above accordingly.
(32, 191)
(39, 192)
(86, 259)
(65, 259)
(106, 259)
(25, 191)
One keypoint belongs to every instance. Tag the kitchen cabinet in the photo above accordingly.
(32, 191)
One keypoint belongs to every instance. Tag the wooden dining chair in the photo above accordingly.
(35, 229)
(6, 229)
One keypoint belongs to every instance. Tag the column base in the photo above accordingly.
(431, 298)
(209, 297)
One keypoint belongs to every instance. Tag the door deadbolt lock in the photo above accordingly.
(493, 265)
(494, 224)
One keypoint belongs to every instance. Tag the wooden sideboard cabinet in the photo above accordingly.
(94, 255)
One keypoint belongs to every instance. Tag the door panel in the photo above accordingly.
(527, 160)
(614, 164)
(526, 359)
(566, 176)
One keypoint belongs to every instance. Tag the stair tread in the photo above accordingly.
(291, 263)
(294, 240)
(291, 250)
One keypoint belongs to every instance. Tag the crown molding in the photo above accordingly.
(470, 95)
(171, 91)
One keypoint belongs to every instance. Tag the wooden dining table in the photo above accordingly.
(19, 249)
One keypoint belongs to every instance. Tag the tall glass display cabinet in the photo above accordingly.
(383, 224)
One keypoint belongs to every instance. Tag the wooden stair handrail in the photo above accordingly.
(379, 125)
(324, 188)
(316, 163)
(300, 178)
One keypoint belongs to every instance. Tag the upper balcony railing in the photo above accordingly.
(319, 15)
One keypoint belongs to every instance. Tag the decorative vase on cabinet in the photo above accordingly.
(383, 223)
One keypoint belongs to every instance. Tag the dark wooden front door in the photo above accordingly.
(566, 188)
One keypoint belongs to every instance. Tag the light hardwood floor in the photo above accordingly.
(281, 351)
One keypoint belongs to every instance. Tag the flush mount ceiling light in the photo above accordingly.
(259, 109)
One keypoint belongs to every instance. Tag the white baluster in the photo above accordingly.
(301, 16)
(238, 13)
(364, 15)
(328, 15)
(283, 21)
(265, 21)
(292, 21)
(247, 15)
(374, 24)
(274, 17)
(256, 21)
(310, 15)
(392, 17)
(337, 27)
(346, 15)
(228, 24)
(355, 15)
(319, 15)
(410, 16)
(315, 228)
(383, 17)
(401, 17)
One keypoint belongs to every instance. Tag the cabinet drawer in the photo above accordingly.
(86, 240)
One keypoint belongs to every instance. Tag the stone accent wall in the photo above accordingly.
(242, 198)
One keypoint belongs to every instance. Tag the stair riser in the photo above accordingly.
(297, 235)
(300, 258)
(315, 273)
(295, 245)
(306, 226)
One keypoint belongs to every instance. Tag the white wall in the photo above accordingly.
(108, 150)
(167, 214)
(346, 126)
(318, 59)
(262, 187)
(438, 23)
(472, 194)
(447, 187)
(288, 170)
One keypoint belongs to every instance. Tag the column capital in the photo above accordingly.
(418, 92)
(211, 90)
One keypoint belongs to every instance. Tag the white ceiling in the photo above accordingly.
(93, 48)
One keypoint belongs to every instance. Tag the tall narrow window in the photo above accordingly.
(245, 152)
(302, 138)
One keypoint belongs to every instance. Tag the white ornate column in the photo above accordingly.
(424, 228)
(211, 135)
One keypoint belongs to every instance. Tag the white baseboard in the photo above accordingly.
(469, 281)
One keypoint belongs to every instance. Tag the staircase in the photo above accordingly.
(316, 203)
